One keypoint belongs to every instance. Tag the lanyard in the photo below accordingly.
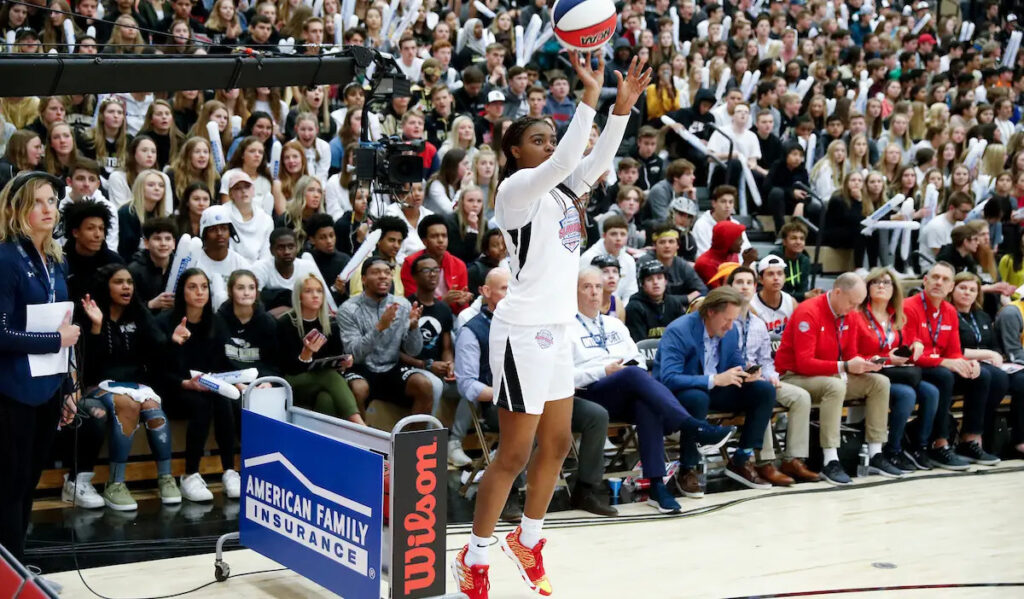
(49, 285)
(746, 335)
(973, 322)
(599, 338)
(881, 331)
(933, 332)
(839, 335)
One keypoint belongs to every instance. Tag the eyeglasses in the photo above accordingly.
(431, 271)
(882, 283)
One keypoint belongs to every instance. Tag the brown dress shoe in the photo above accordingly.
(798, 470)
(776, 478)
(689, 483)
(746, 475)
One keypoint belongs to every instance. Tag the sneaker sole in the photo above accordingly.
(519, 566)
(654, 504)
(454, 568)
(950, 467)
(982, 462)
(836, 483)
(719, 444)
(745, 482)
(916, 463)
(170, 500)
(117, 507)
(880, 472)
(78, 503)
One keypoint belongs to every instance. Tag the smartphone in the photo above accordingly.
(753, 369)
(632, 363)
(902, 352)
(879, 360)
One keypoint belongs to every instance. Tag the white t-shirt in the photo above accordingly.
(627, 269)
(336, 200)
(774, 318)
(268, 276)
(598, 343)
(319, 167)
(412, 243)
(745, 143)
(703, 228)
(219, 271)
(411, 71)
(253, 235)
(937, 233)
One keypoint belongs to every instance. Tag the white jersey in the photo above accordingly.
(542, 227)
(775, 318)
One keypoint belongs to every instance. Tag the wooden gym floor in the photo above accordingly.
(927, 530)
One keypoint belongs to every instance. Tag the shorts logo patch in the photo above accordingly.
(544, 338)
(804, 326)
(570, 230)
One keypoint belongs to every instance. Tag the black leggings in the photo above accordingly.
(199, 409)
(26, 438)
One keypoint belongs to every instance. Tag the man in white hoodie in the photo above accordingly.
(613, 243)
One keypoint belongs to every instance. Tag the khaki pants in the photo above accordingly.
(797, 402)
(831, 391)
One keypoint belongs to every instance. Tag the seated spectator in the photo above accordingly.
(819, 354)
(149, 200)
(939, 231)
(120, 353)
(683, 213)
(784, 197)
(742, 141)
(651, 309)
(682, 278)
(725, 247)
(352, 227)
(85, 249)
(218, 260)
(756, 351)
(84, 184)
(322, 240)
(141, 156)
(453, 283)
(466, 223)
(197, 338)
(253, 225)
(678, 182)
(613, 243)
(393, 233)
(843, 214)
(276, 276)
(700, 361)
(493, 255)
(376, 326)
(410, 211)
(1009, 329)
(150, 267)
(626, 173)
(652, 166)
(797, 262)
(437, 358)
(723, 202)
(628, 203)
(611, 372)
(610, 277)
(773, 305)
(252, 332)
(306, 334)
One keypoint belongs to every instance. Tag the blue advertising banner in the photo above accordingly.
(313, 504)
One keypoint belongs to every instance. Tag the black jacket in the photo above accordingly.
(150, 279)
(127, 350)
(82, 268)
(330, 266)
(253, 344)
(842, 222)
(202, 351)
(289, 343)
(647, 320)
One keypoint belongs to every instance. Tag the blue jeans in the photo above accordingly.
(120, 444)
(756, 400)
(901, 405)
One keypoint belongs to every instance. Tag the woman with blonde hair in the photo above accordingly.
(843, 214)
(917, 125)
(828, 174)
(307, 201)
(898, 135)
(25, 152)
(216, 112)
(466, 224)
(859, 153)
(293, 167)
(305, 334)
(193, 163)
(126, 38)
(312, 101)
(462, 135)
(60, 150)
(149, 200)
(937, 116)
(991, 164)
(108, 143)
(141, 156)
(233, 100)
(223, 25)
(889, 162)
(317, 151)
(881, 332)
(485, 176)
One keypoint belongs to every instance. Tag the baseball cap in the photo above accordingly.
(724, 270)
(605, 261)
(684, 205)
(25, 32)
(239, 176)
(922, 5)
(214, 216)
(926, 38)
(1010, 18)
(771, 261)
(495, 96)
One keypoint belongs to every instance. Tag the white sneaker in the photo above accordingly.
(193, 488)
(456, 455)
(81, 492)
(232, 483)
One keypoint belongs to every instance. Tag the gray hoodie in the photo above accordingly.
(378, 351)
(1008, 327)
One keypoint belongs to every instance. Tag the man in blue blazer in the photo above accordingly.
(700, 360)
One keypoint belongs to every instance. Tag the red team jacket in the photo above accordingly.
(453, 269)
(940, 334)
(871, 337)
(811, 341)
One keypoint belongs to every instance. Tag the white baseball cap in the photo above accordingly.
(495, 96)
(770, 261)
(213, 216)
(684, 205)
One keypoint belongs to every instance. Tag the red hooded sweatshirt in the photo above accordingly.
(723, 236)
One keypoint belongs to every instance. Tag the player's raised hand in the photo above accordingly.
(637, 78)
(591, 78)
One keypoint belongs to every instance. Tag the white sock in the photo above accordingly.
(831, 454)
(476, 555)
(874, 449)
(531, 532)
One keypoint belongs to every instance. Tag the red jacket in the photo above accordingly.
(723, 236)
(453, 269)
(811, 341)
(940, 334)
(870, 335)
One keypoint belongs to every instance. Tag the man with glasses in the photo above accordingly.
(819, 354)
(453, 280)
(938, 232)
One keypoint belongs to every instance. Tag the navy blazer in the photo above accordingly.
(679, 363)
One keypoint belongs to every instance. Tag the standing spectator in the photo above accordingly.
(453, 283)
(252, 224)
(651, 309)
(701, 362)
(819, 354)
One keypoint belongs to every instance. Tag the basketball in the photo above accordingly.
(584, 24)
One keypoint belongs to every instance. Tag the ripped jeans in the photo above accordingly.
(125, 411)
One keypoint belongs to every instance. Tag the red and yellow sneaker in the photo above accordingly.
(472, 580)
(530, 562)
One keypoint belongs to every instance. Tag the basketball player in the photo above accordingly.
(540, 215)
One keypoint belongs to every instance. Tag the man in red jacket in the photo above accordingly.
(935, 324)
(819, 354)
(454, 280)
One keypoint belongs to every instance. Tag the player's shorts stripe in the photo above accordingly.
(514, 395)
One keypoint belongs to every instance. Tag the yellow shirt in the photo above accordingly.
(1007, 274)
(660, 103)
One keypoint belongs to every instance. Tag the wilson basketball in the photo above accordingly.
(584, 24)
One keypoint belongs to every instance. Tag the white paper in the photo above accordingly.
(47, 318)
(1010, 368)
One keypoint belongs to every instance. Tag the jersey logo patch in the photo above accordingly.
(804, 326)
(570, 230)
(544, 338)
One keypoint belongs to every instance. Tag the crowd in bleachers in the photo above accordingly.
(893, 129)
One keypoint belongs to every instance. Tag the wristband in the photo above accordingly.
(305, 361)
(427, 364)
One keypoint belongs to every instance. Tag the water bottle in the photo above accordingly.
(862, 460)
(702, 473)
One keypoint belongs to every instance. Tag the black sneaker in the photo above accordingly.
(833, 473)
(919, 456)
(879, 464)
(901, 461)
(972, 452)
(943, 457)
